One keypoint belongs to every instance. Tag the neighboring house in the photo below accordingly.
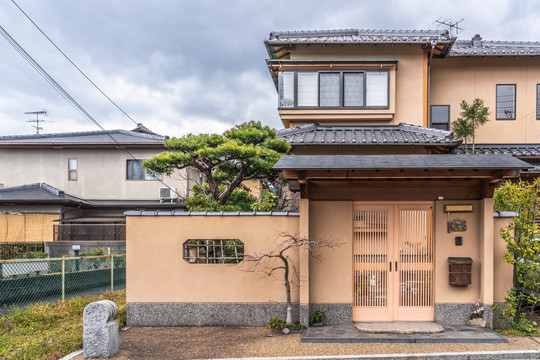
(80, 181)
(368, 115)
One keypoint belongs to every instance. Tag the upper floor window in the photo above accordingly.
(440, 117)
(135, 171)
(506, 102)
(333, 89)
(72, 169)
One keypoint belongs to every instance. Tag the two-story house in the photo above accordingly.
(378, 171)
(76, 186)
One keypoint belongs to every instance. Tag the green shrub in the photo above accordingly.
(275, 324)
(295, 326)
(32, 255)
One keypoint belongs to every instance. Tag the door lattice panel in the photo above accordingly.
(371, 250)
(415, 258)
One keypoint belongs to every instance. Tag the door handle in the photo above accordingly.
(395, 266)
(390, 266)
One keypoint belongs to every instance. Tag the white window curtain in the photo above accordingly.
(377, 88)
(353, 86)
(330, 89)
(308, 88)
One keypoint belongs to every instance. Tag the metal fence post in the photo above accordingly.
(112, 272)
(63, 278)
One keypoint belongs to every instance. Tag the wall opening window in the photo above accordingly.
(135, 171)
(222, 251)
(72, 169)
(334, 89)
(440, 117)
(537, 101)
(286, 89)
(506, 102)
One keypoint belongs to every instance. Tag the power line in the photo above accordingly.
(61, 90)
(72, 63)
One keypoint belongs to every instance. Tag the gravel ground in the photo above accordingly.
(222, 342)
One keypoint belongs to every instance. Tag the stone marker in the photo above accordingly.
(100, 330)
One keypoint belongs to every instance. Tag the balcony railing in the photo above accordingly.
(90, 232)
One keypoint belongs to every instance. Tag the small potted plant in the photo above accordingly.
(275, 324)
(317, 318)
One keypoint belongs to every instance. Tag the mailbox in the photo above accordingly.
(459, 270)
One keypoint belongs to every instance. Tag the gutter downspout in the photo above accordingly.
(433, 44)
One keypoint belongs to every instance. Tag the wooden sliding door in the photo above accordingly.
(393, 262)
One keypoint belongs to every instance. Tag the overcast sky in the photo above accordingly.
(194, 66)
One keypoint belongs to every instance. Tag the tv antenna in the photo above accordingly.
(37, 120)
(453, 26)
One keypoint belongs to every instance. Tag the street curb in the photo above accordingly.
(72, 355)
(476, 355)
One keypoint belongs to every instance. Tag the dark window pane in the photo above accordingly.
(440, 117)
(135, 170)
(506, 102)
(353, 84)
(329, 89)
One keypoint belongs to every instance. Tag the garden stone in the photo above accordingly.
(285, 331)
(100, 330)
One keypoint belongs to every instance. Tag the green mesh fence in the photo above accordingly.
(28, 281)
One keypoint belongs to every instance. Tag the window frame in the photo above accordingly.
(144, 172)
(341, 91)
(213, 247)
(76, 170)
(496, 102)
(431, 116)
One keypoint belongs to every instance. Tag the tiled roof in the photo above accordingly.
(357, 36)
(36, 192)
(518, 150)
(494, 48)
(402, 134)
(85, 137)
(394, 162)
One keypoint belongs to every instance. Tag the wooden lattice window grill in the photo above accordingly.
(213, 251)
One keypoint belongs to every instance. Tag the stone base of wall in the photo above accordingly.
(459, 314)
(229, 314)
(335, 313)
(205, 314)
(59, 248)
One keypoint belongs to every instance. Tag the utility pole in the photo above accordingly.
(37, 119)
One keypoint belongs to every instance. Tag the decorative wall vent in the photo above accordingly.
(216, 251)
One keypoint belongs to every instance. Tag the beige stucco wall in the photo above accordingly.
(331, 276)
(101, 172)
(26, 227)
(456, 79)
(503, 271)
(406, 84)
(445, 247)
(156, 271)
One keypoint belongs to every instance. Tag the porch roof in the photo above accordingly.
(399, 162)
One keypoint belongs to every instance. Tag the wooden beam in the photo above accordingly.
(397, 174)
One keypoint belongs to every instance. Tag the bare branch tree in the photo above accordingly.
(286, 242)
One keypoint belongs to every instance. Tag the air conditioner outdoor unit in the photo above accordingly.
(166, 193)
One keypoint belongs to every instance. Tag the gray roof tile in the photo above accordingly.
(402, 134)
(85, 137)
(208, 213)
(518, 150)
(375, 162)
(357, 36)
(494, 48)
(36, 192)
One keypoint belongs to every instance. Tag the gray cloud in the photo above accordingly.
(194, 66)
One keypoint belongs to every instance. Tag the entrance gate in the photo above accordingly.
(393, 262)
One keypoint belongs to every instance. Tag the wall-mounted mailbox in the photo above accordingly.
(460, 269)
